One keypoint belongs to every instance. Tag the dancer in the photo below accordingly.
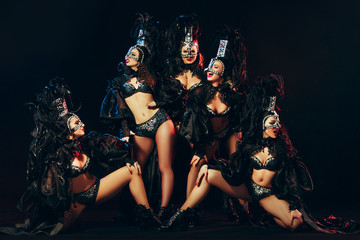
(130, 105)
(182, 73)
(62, 162)
(277, 177)
(211, 121)
(183, 68)
(268, 162)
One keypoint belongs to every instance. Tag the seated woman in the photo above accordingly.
(62, 160)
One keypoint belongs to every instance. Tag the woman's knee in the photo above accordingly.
(165, 168)
(211, 175)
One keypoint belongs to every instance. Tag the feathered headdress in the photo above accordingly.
(147, 36)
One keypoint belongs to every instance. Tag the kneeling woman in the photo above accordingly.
(60, 185)
(277, 177)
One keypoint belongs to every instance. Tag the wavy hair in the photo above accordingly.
(173, 38)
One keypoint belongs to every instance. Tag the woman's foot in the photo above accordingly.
(179, 221)
(146, 218)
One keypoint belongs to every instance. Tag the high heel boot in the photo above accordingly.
(146, 218)
(179, 221)
(165, 213)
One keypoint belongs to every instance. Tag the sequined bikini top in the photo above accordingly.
(271, 164)
(213, 114)
(76, 171)
(128, 89)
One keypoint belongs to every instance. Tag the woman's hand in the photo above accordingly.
(127, 138)
(239, 136)
(295, 214)
(203, 174)
(151, 105)
(136, 165)
(138, 168)
(195, 160)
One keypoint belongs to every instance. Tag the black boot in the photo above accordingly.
(146, 218)
(179, 221)
(193, 217)
(165, 213)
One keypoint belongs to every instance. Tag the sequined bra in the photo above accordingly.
(76, 171)
(271, 164)
(128, 89)
(213, 114)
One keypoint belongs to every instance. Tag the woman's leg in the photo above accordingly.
(71, 215)
(279, 209)
(142, 149)
(191, 179)
(214, 178)
(194, 170)
(232, 144)
(165, 140)
(112, 184)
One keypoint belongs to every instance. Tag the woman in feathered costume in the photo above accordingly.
(65, 167)
(130, 104)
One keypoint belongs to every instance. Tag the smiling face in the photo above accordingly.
(132, 58)
(76, 127)
(272, 127)
(215, 70)
(189, 57)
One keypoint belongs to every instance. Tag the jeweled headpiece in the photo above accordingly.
(61, 106)
(79, 124)
(139, 43)
(128, 55)
(220, 53)
(273, 113)
(188, 43)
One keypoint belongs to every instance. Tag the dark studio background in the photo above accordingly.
(314, 45)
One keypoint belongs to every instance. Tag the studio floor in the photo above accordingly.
(97, 223)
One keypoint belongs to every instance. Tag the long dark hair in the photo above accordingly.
(50, 152)
(235, 72)
(256, 108)
(174, 36)
(150, 52)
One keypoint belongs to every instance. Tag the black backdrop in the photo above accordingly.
(313, 44)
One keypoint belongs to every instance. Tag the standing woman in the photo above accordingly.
(64, 167)
(183, 68)
(211, 121)
(129, 104)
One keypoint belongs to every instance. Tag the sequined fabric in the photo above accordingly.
(259, 192)
(88, 197)
(149, 128)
